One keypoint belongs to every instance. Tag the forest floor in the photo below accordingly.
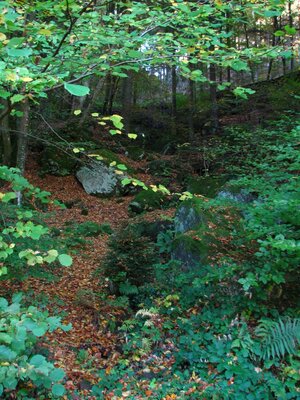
(72, 293)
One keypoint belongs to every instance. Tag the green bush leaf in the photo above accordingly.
(77, 90)
(65, 260)
(58, 390)
(57, 375)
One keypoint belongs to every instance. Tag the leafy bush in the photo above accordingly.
(130, 259)
(24, 237)
(24, 244)
(21, 368)
(88, 228)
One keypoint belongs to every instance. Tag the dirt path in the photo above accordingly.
(74, 293)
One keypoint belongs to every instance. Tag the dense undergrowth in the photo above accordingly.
(225, 328)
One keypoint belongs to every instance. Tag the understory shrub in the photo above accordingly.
(130, 259)
(23, 370)
(229, 329)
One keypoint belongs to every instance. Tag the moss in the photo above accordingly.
(208, 186)
(57, 162)
(148, 200)
(202, 233)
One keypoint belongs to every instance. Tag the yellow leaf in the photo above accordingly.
(11, 76)
(132, 135)
(95, 114)
(76, 150)
(112, 164)
(117, 172)
(2, 37)
(45, 32)
(77, 112)
(26, 79)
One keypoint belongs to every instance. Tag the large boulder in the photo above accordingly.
(98, 179)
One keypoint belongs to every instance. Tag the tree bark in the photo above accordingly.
(127, 93)
(174, 99)
(22, 143)
(6, 138)
(213, 97)
(89, 106)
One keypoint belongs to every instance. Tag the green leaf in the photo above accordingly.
(243, 92)
(126, 181)
(40, 329)
(65, 260)
(5, 338)
(37, 360)
(132, 135)
(272, 13)
(122, 167)
(290, 30)
(12, 52)
(77, 90)
(4, 94)
(8, 196)
(17, 98)
(6, 354)
(77, 112)
(57, 375)
(116, 120)
(58, 390)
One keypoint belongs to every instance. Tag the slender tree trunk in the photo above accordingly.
(113, 91)
(213, 98)
(291, 22)
(22, 143)
(191, 96)
(6, 138)
(127, 100)
(108, 84)
(23, 137)
(174, 99)
(274, 41)
(92, 101)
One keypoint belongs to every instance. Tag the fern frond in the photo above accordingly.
(278, 338)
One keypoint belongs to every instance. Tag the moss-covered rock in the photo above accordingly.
(58, 160)
(201, 233)
(148, 200)
(208, 186)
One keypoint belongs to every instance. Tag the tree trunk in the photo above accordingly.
(6, 139)
(213, 97)
(291, 22)
(127, 100)
(91, 103)
(191, 96)
(22, 142)
(174, 99)
(274, 42)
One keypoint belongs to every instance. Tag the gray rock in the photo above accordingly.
(186, 218)
(98, 179)
(241, 197)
